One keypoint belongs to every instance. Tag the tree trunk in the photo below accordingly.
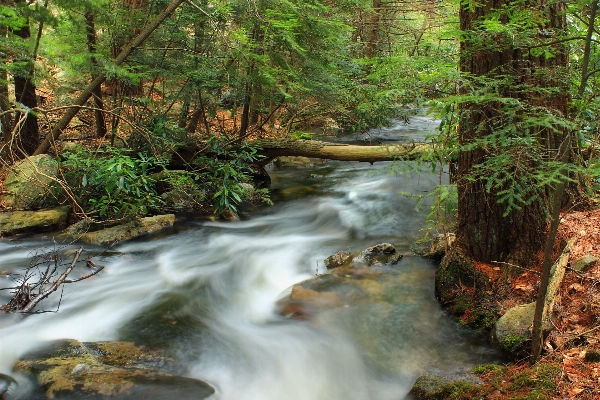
(97, 93)
(483, 231)
(87, 93)
(29, 133)
(373, 30)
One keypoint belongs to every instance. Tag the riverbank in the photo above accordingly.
(569, 367)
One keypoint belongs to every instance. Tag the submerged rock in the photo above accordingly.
(109, 236)
(15, 222)
(29, 182)
(441, 387)
(7, 383)
(354, 279)
(107, 370)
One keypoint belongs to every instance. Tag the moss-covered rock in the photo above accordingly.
(109, 236)
(466, 292)
(106, 370)
(29, 183)
(441, 387)
(15, 222)
(585, 262)
(456, 271)
(514, 327)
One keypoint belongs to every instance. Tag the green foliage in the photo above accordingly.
(301, 135)
(511, 342)
(484, 368)
(110, 184)
(227, 174)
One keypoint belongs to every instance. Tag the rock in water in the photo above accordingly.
(337, 260)
(29, 182)
(69, 369)
(383, 253)
(109, 236)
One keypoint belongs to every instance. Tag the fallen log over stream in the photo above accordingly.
(273, 148)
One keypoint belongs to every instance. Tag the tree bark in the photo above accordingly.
(97, 93)
(483, 231)
(29, 134)
(88, 92)
(373, 31)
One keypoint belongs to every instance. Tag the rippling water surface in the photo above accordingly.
(207, 292)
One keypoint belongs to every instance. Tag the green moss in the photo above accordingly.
(461, 305)
(483, 319)
(484, 368)
(511, 342)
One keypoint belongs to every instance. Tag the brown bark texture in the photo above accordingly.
(483, 231)
(29, 133)
(90, 27)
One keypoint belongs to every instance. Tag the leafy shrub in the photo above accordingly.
(110, 184)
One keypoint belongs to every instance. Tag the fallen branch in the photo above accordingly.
(37, 284)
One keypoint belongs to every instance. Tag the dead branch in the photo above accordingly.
(38, 283)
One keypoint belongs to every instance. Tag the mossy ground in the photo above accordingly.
(512, 382)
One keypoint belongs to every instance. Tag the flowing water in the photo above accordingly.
(207, 292)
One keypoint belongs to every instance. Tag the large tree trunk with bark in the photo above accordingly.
(26, 123)
(484, 231)
(90, 28)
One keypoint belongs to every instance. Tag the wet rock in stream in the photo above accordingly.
(106, 370)
(354, 279)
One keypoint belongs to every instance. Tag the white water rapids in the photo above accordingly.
(207, 293)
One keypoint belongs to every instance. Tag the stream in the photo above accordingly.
(207, 291)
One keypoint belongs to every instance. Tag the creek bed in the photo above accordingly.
(207, 293)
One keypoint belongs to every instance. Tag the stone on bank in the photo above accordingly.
(29, 183)
(15, 222)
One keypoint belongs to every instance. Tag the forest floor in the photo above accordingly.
(570, 366)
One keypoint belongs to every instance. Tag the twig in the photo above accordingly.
(517, 266)
(55, 285)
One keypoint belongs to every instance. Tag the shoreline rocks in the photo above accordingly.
(29, 182)
(119, 233)
(15, 222)
(108, 370)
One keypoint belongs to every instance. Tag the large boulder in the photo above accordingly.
(514, 327)
(29, 182)
(441, 387)
(69, 369)
(15, 222)
(109, 236)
